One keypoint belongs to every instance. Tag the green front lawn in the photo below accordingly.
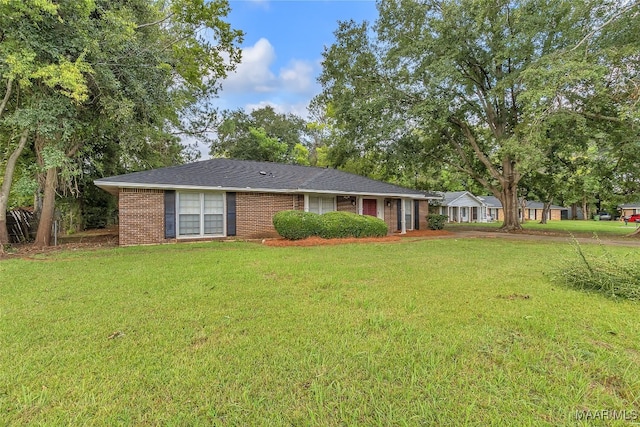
(423, 332)
(590, 227)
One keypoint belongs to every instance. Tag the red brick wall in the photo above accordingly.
(254, 217)
(141, 216)
(424, 211)
(347, 205)
(391, 214)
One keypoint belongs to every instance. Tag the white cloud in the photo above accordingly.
(298, 77)
(253, 73)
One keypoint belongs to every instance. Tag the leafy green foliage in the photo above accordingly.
(262, 135)
(296, 225)
(615, 277)
(436, 221)
(108, 84)
(476, 86)
(347, 224)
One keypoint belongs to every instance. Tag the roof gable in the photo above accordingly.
(460, 198)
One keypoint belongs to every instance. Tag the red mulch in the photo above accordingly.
(317, 241)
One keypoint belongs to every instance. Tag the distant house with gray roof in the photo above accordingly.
(629, 209)
(463, 206)
(222, 198)
(532, 211)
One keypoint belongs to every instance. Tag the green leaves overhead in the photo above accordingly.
(469, 84)
(262, 135)
(116, 77)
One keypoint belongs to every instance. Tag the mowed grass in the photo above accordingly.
(581, 228)
(426, 332)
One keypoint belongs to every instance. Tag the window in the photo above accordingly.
(200, 214)
(320, 205)
(408, 214)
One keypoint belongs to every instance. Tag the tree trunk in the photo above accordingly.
(546, 207)
(522, 211)
(6, 186)
(43, 237)
(510, 206)
(585, 209)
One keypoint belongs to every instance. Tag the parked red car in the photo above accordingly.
(634, 218)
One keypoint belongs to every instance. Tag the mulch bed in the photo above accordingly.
(317, 241)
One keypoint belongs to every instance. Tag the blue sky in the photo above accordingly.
(282, 50)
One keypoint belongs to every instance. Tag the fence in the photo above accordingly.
(19, 224)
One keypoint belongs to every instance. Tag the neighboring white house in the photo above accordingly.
(463, 206)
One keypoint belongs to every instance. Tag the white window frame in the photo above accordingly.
(202, 234)
(320, 196)
(410, 202)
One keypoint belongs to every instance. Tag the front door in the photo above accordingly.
(369, 207)
(464, 215)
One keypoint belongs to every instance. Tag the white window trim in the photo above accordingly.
(409, 225)
(321, 196)
(201, 235)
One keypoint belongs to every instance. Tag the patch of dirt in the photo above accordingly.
(514, 296)
(318, 241)
(85, 240)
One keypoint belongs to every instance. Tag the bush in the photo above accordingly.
(296, 225)
(436, 222)
(613, 277)
(374, 227)
(346, 224)
(335, 225)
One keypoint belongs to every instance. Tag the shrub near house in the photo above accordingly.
(436, 222)
(295, 225)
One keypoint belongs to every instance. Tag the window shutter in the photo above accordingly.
(416, 214)
(399, 214)
(231, 214)
(169, 214)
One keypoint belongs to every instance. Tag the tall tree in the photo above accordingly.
(261, 135)
(455, 81)
(126, 71)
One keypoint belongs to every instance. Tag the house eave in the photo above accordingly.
(113, 188)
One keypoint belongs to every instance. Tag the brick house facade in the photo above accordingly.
(142, 215)
(224, 198)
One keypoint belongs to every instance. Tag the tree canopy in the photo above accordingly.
(475, 85)
(97, 85)
(262, 135)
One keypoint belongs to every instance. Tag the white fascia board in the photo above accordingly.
(106, 185)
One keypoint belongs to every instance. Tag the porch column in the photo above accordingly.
(403, 228)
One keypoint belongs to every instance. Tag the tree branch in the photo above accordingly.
(160, 21)
(6, 95)
(610, 20)
(466, 131)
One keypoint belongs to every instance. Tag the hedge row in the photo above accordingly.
(295, 225)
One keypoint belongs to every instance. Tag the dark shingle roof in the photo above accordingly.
(239, 175)
(494, 202)
(630, 205)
